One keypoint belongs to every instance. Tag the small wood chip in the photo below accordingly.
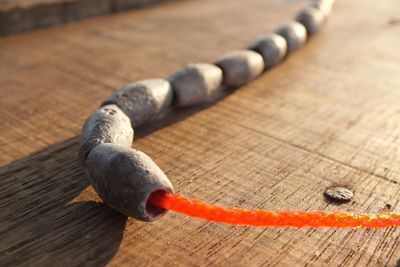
(338, 194)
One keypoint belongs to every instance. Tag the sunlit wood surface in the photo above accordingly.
(24, 15)
(329, 115)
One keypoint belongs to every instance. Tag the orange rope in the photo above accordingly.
(215, 213)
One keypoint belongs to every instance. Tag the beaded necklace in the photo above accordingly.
(129, 181)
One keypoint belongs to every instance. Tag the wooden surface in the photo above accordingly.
(328, 115)
(23, 15)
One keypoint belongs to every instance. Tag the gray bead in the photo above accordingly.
(325, 6)
(195, 83)
(142, 100)
(295, 35)
(106, 125)
(312, 19)
(272, 47)
(240, 67)
(125, 178)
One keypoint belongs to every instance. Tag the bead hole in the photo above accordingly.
(153, 209)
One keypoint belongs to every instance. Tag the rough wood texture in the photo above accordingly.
(23, 15)
(329, 115)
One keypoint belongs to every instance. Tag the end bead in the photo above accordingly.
(125, 178)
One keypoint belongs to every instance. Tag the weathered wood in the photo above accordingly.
(328, 115)
(23, 15)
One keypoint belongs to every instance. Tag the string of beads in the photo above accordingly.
(130, 182)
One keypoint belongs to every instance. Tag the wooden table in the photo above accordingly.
(24, 15)
(329, 115)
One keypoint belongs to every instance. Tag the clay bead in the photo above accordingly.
(195, 83)
(325, 6)
(240, 67)
(295, 35)
(312, 19)
(143, 100)
(125, 178)
(272, 47)
(108, 124)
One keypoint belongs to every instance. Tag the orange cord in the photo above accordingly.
(215, 213)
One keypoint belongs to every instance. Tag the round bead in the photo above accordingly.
(240, 67)
(125, 178)
(325, 6)
(142, 100)
(295, 35)
(108, 124)
(312, 19)
(272, 47)
(195, 83)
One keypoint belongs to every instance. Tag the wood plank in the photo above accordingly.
(22, 15)
(327, 115)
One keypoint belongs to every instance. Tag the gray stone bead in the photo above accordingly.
(312, 19)
(295, 35)
(142, 100)
(108, 124)
(195, 83)
(240, 67)
(125, 178)
(325, 6)
(272, 47)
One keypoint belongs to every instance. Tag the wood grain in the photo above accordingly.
(22, 15)
(328, 115)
